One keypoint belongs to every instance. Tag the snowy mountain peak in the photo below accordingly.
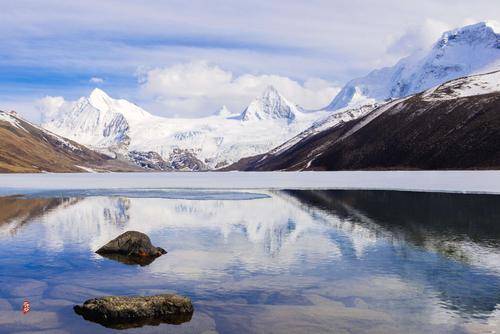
(98, 93)
(270, 105)
(100, 100)
(97, 120)
(479, 33)
(461, 52)
(270, 93)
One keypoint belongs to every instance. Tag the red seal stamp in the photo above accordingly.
(26, 307)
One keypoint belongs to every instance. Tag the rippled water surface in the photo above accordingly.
(259, 261)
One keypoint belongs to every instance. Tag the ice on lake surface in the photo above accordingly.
(430, 181)
(259, 261)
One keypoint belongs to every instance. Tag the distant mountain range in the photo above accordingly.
(432, 110)
(119, 127)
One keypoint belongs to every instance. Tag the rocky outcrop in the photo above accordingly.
(185, 160)
(149, 160)
(128, 312)
(131, 247)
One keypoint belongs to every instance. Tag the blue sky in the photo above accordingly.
(152, 52)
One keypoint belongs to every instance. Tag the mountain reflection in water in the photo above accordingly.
(282, 261)
(460, 227)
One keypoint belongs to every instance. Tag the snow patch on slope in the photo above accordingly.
(7, 117)
(339, 117)
(13, 119)
(368, 119)
(466, 87)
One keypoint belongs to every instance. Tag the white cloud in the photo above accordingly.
(24, 107)
(198, 88)
(49, 106)
(96, 80)
(330, 39)
(495, 25)
(418, 37)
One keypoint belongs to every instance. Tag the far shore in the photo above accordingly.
(476, 182)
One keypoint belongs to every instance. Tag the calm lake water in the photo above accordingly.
(259, 261)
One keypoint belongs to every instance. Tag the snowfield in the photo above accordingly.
(481, 182)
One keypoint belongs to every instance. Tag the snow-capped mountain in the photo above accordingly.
(271, 105)
(98, 120)
(469, 50)
(118, 126)
(455, 125)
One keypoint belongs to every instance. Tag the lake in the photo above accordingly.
(258, 261)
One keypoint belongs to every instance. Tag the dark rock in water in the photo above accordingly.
(131, 247)
(137, 311)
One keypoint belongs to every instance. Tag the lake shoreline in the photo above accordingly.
(467, 182)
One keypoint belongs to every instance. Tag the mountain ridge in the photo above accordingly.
(28, 148)
(460, 52)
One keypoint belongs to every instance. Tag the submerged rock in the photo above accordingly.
(137, 311)
(131, 247)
